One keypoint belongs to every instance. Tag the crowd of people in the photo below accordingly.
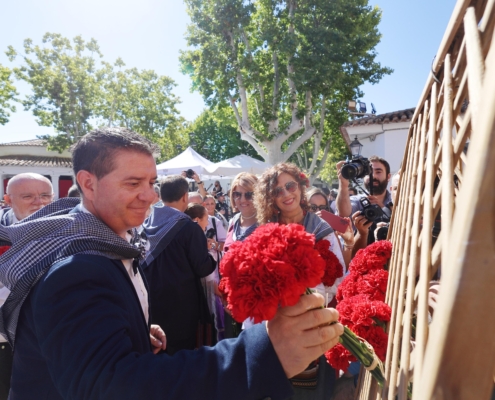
(113, 292)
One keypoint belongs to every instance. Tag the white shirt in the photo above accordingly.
(136, 280)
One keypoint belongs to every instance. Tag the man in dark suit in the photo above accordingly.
(177, 299)
(83, 330)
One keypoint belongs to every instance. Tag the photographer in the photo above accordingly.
(193, 175)
(349, 205)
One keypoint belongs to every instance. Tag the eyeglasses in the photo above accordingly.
(314, 208)
(247, 195)
(30, 198)
(289, 186)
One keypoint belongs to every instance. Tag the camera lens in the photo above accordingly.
(351, 170)
(370, 214)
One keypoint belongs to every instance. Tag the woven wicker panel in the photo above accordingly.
(444, 224)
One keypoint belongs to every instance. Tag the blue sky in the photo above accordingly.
(148, 34)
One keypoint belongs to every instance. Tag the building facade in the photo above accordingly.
(33, 156)
(383, 135)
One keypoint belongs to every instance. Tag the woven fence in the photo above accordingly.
(443, 227)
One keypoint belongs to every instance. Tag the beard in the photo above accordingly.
(378, 187)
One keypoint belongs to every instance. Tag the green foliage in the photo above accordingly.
(142, 101)
(73, 89)
(276, 62)
(216, 137)
(65, 87)
(7, 94)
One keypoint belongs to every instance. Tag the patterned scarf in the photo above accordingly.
(236, 234)
(52, 234)
(317, 226)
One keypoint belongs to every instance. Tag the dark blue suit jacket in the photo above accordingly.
(82, 335)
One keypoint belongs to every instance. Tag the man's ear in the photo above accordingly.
(388, 177)
(7, 199)
(87, 183)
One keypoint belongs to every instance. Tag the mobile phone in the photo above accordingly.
(338, 224)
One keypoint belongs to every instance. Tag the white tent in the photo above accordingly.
(188, 159)
(237, 164)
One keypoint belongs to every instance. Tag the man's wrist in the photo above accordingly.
(199, 183)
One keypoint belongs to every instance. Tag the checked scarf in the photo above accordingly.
(317, 226)
(52, 234)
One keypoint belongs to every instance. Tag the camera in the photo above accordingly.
(210, 233)
(372, 212)
(381, 233)
(357, 167)
(190, 173)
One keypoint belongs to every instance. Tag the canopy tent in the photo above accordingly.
(188, 159)
(237, 164)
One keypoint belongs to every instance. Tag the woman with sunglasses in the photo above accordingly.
(241, 197)
(241, 226)
(280, 196)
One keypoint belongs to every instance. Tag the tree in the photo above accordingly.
(73, 89)
(216, 136)
(8, 94)
(142, 101)
(64, 83)
(277, 64)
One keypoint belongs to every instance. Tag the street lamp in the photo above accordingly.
(356, 147)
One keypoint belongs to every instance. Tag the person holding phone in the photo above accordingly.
(319, 204)
(280, 197)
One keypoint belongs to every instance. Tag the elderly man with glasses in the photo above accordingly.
(26, 194)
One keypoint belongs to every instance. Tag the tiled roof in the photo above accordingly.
(35, 161)
(396, 116)
(33, 142)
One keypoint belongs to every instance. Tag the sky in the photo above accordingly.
(148, 34)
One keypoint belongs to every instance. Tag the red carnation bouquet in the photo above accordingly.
(270, 269)
(363, 312)
(276, 264)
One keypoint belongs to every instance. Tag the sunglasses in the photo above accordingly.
(238, 195)
(314, 208)
(289, 186)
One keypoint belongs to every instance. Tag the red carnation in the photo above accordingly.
(360, 310)
(3, 249)
(373, 284)
(366, 260)
(375, 336)
(382, 248)
(271, 268)
(333, 268)
(339, 357)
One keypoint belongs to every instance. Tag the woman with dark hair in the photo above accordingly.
(317, 202)
(280, 196)
(199, 214)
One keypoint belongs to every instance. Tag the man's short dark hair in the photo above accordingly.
(173, 188)
(73, 191)
(383, 161)
(95, 152)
